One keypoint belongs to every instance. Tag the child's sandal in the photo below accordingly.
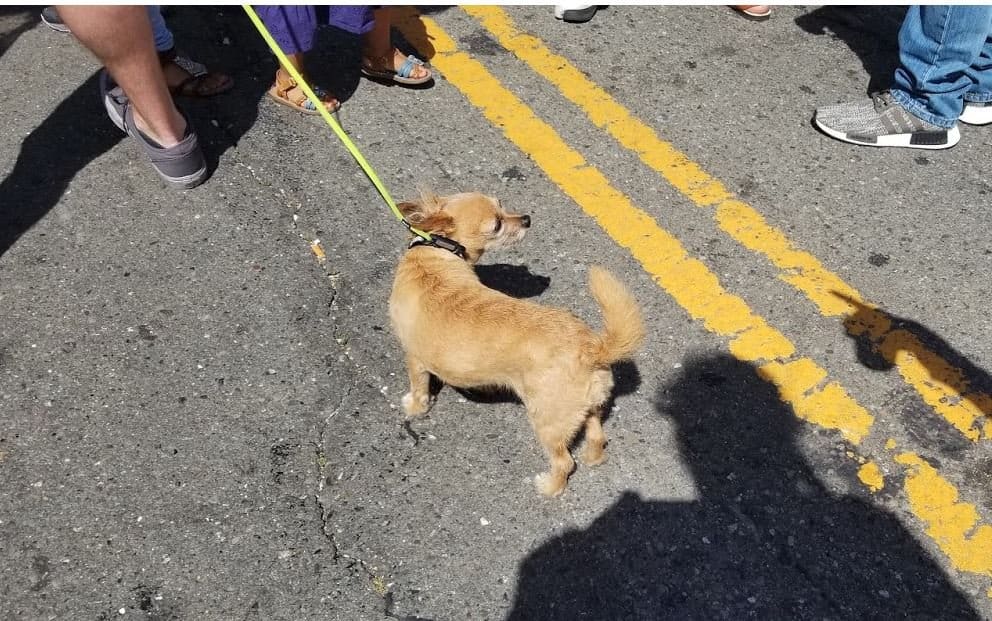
(287, 92)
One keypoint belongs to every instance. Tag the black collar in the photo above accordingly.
(440, 242)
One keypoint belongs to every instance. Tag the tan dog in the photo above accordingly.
(468, 335)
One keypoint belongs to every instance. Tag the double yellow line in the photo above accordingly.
(954, 525)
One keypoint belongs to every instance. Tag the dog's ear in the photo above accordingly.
(438, 222)
(412, 211)
(420, 211)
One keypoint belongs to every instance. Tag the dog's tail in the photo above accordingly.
(624, 327)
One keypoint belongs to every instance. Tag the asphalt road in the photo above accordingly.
(199, 391)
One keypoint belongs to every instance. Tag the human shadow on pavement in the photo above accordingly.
(872, 32)
(879, 337)
(15, 21)
(766, 539)
(73, 135)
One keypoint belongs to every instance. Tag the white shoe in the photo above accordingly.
(976, 113)
(575, 13)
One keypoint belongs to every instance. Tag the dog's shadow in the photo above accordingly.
(516, 281)
(519, 282)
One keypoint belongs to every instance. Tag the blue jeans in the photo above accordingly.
(945, 57)
(163, 36)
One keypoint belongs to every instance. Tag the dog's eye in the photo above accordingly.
(499, 225)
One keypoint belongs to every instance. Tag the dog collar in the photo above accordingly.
(440, 242)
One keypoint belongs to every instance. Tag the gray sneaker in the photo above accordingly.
(181, 166)
(976, 113)
(50, 16)
(882, 122)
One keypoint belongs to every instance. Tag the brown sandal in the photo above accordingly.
(288, 93)
(199, 82)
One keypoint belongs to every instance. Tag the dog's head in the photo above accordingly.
(477, 222)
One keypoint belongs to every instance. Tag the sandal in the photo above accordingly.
(753, 12)
(401, 75)
(288, 93)
(199, 81)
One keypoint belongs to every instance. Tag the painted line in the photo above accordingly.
(952, 524)
(943, 387)
(800, 381)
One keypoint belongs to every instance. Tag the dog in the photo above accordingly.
(470, 336)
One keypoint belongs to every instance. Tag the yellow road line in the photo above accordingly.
(800, 382)
(941, 386)
(952, 524)
(695, 288)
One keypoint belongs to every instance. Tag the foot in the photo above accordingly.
(393, 65)
(976, 113)
(593, 455)
(753, 12)
(415, 405)
(189, 78)
(287, 92)
(550, 484)
(180, 162)
(575, 13)
(883, 122)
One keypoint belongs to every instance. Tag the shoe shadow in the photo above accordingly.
(15, 21)
(766, 538)
(72, 136)
(880, 338)
(872, 32)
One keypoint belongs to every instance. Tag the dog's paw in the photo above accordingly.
(550, 484)
(415, 406)
(593, 456)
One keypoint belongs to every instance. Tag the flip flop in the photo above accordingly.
(200, 82)
(401, 76)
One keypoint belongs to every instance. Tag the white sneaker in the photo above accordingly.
(976, 113)
(575, 13)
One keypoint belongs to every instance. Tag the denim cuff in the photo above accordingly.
(920, 111)
(978, 97)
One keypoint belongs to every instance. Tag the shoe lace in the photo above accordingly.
(882, 100)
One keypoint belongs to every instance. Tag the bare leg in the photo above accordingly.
(121, 38)
(418, 400)
(592, 454)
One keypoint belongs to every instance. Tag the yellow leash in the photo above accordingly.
(322, 109)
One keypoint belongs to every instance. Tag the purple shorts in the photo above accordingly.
(294, 27)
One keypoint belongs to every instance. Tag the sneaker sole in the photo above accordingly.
(975, 114)
(930, 140)
(55, 26)
(187, 182)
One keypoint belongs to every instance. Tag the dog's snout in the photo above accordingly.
(525, 220)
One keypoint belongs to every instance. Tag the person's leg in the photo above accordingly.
(121, 38)
(938, 47)
(140, 105)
